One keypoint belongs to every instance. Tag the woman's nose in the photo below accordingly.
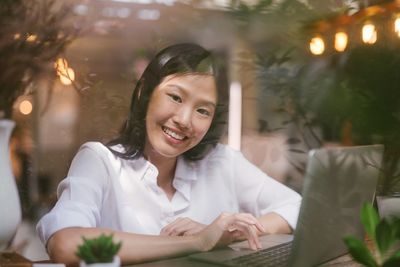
(183, 117)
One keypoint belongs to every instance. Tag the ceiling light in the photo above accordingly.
(317, 45)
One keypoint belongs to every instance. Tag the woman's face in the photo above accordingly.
(179, 114)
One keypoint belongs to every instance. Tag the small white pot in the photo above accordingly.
(116, 263)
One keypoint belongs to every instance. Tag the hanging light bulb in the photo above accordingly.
(369, 34)
(68, 77)
(397, 25)
(317, 45)
(341, 40)
(66, 74)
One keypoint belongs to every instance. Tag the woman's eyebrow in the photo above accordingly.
(180, 88)
(210, 103)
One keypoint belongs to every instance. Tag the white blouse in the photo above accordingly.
(103, 190)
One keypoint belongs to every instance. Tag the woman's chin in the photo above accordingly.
(169, 152)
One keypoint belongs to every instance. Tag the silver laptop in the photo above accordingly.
(337, 182)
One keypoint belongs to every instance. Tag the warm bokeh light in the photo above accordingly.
(68, 78)
(397, 26)
(66, 74)
(25, 107)
(31, 38)
(341, 40)
(369, 34)
(61, 65)
(317, 46)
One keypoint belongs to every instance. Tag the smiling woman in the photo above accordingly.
(176, 63)
(164, 186)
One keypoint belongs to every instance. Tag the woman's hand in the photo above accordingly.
(182, 227)
(228, 227)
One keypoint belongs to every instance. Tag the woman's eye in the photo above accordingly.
(175, 98)
(204, 112)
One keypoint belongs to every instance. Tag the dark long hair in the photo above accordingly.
(175, 59)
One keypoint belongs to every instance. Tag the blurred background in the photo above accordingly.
(309, 73)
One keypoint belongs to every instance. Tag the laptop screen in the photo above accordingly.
(337, 182)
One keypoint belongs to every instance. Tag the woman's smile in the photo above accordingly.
(173, 134)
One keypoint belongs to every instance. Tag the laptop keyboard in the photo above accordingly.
(277, 256)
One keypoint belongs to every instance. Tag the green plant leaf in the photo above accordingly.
(393, 261)
(359, 251)
(100, 249)
(370, 219)
(396, 225)
(385, 235)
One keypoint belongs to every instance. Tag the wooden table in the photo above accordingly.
(12, 259)
(343, 261)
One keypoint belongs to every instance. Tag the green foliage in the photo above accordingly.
(32, 35)
(385, 237)
(359, 251)
(351, 97)
(98, 250)
(361, 89)
(370, 219)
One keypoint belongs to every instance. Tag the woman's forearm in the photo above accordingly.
(135, 247)
(274, 224)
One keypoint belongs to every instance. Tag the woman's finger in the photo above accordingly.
(250, 233)
(250, 219)
(171, 227)
(194, 230)
(182, 226)
(226, 228)
(246, 224)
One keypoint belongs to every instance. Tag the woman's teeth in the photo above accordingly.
(173, 134)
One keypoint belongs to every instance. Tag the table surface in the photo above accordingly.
(12, 259)
(343, 261)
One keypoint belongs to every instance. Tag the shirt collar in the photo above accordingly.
(185, 174)
(185, 170)
(146, 172)
(141, 166)
(143, 169)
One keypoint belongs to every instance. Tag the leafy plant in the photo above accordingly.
(32, 35)
(385, 240)
(350, 98)
(98, 250)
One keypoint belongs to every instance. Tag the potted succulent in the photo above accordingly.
(100, 251)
